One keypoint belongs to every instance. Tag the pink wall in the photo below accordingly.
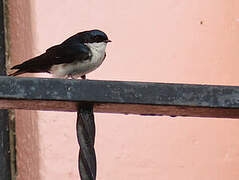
(161, 41)
(21, 47)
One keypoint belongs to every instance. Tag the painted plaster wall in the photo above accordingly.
(161, 41)
(21, 43)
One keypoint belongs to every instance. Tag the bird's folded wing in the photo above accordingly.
(61, 54)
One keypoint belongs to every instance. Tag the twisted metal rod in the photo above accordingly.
(85, 127)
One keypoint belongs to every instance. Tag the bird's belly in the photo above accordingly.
(76, 68)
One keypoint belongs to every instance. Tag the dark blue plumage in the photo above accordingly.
(77, 55)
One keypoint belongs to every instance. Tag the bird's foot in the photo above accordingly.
(70, 76)
(75, 76)
(83, 77)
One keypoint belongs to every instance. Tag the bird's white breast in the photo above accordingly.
(79, 68)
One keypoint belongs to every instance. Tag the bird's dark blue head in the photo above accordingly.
(98, 36)
(92, 36)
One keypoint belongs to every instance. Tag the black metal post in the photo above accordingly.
(5, 170)
(86, 138)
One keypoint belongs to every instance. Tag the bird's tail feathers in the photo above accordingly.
(18, 72)
(32, 65)
(16, 67)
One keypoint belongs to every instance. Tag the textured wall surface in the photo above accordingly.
(163, 41)
(21, 45)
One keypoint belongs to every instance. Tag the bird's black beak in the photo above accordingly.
(107, 41)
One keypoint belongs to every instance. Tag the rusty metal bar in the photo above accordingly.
(143, 98)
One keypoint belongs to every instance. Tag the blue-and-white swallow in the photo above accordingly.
(75, 57)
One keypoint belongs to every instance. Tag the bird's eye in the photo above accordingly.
(98, 38)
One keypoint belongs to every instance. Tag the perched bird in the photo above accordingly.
(76, 56)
